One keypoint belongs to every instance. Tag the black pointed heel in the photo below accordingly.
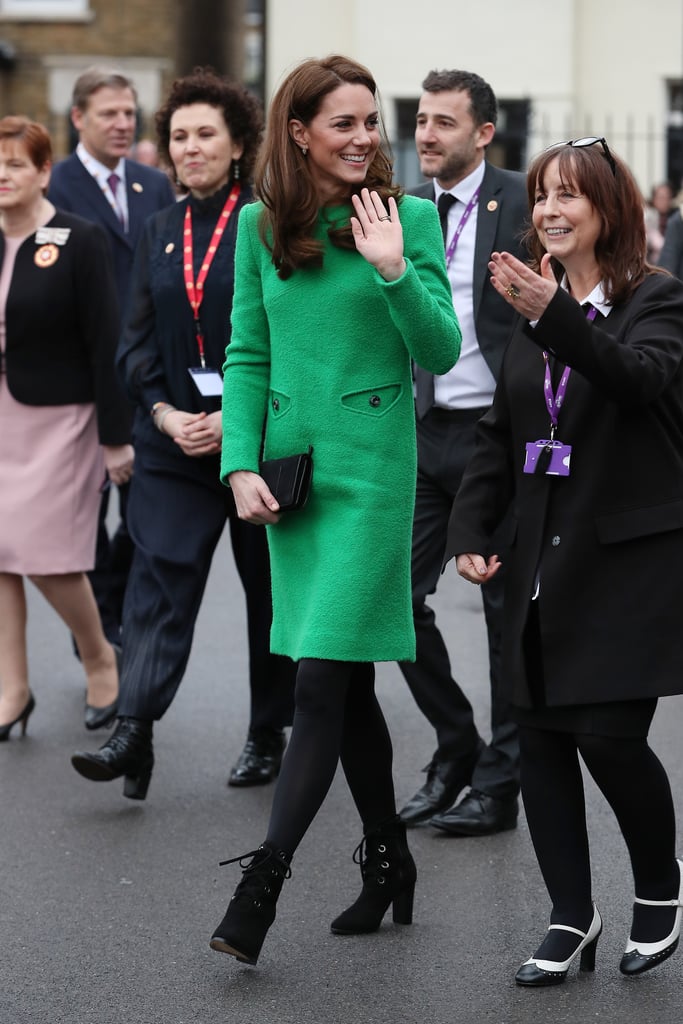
(21, 719)
(389, 875)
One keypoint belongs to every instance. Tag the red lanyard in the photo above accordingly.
(195, 291)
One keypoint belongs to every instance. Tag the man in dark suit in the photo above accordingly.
(482, 209)
(98, 183)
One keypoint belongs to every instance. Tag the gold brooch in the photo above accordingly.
(46, 256)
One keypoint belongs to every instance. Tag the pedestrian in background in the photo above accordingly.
(585, 439)
(481, 208)
(340, 281)
(100, 183)
(60, 422)
(171, 352)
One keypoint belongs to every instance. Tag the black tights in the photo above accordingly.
(635, 784)
(336, 715)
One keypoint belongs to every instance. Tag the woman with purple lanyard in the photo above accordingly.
(585, 442)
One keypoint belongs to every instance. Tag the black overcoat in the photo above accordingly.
(606, 542)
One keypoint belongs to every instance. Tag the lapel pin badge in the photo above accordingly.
(136, 186)
(169, 248)
(491, 205)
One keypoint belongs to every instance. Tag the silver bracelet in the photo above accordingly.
(159, 420)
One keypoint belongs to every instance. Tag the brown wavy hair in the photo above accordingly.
(283, 180)
(240, 108)
(612, 191)
(32, 135)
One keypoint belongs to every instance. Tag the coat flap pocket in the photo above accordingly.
(373, 401)
(627, 524)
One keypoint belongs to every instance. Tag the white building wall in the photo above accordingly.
(588, 66)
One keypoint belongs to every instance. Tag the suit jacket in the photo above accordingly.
(148, 190)
(671, 256)
(502, 213)
(62, 324)
(606, 541)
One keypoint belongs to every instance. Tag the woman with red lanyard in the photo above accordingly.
(171, 353)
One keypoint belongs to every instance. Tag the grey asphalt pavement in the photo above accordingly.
(107, 905)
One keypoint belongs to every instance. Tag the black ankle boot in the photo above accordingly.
(127, 752)
(389, 874)
(251, 910)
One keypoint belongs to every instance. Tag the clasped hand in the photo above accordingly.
(195, 433)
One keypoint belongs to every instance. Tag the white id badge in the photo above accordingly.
(208, 382)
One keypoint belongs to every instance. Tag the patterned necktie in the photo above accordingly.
(114, 181)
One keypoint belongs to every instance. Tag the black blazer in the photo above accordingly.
(148, 190)
(606, 541)
(62, 325)
(502, 215)
(158, 342)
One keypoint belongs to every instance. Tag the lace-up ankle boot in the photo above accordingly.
(252, 909)
(389, 874)
(127, 752)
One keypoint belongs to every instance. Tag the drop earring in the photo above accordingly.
(304, 150)
(236, 171)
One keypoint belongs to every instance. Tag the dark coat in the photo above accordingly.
(158, 343)
(607, 541)
(502, 212)
(62, 326)
(148, 190)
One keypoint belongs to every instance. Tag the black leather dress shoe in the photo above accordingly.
(478, 814)
(259, 762)
(445, 779)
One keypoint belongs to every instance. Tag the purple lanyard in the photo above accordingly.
(554, 401)
(459, 230)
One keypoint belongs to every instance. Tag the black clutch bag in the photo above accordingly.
(289, 479)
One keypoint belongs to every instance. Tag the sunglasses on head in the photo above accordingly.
(590, 140)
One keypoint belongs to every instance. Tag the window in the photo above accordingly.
(45, 10)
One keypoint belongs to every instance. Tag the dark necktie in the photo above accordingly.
(444, 204)
(424, 381)
(114, 181)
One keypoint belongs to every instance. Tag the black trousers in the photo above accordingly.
(445, 443)
(176, 515)
(113, 559)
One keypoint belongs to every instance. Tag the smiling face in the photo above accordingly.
(201, 148)
(21, 182)
(567, 224)
(449, 143)
(341, 139)
(107, 125)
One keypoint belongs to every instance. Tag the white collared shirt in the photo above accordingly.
(470, 384)
(100, 173)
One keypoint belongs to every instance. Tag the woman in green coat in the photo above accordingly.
(340, 283)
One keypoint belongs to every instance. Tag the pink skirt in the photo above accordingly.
(51, 472)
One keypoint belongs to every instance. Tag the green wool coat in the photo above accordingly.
(323, 359)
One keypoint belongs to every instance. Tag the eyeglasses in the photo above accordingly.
(590, 140)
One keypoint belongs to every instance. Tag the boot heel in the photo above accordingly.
(135, 786)
(403, 906)
(587, 962)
